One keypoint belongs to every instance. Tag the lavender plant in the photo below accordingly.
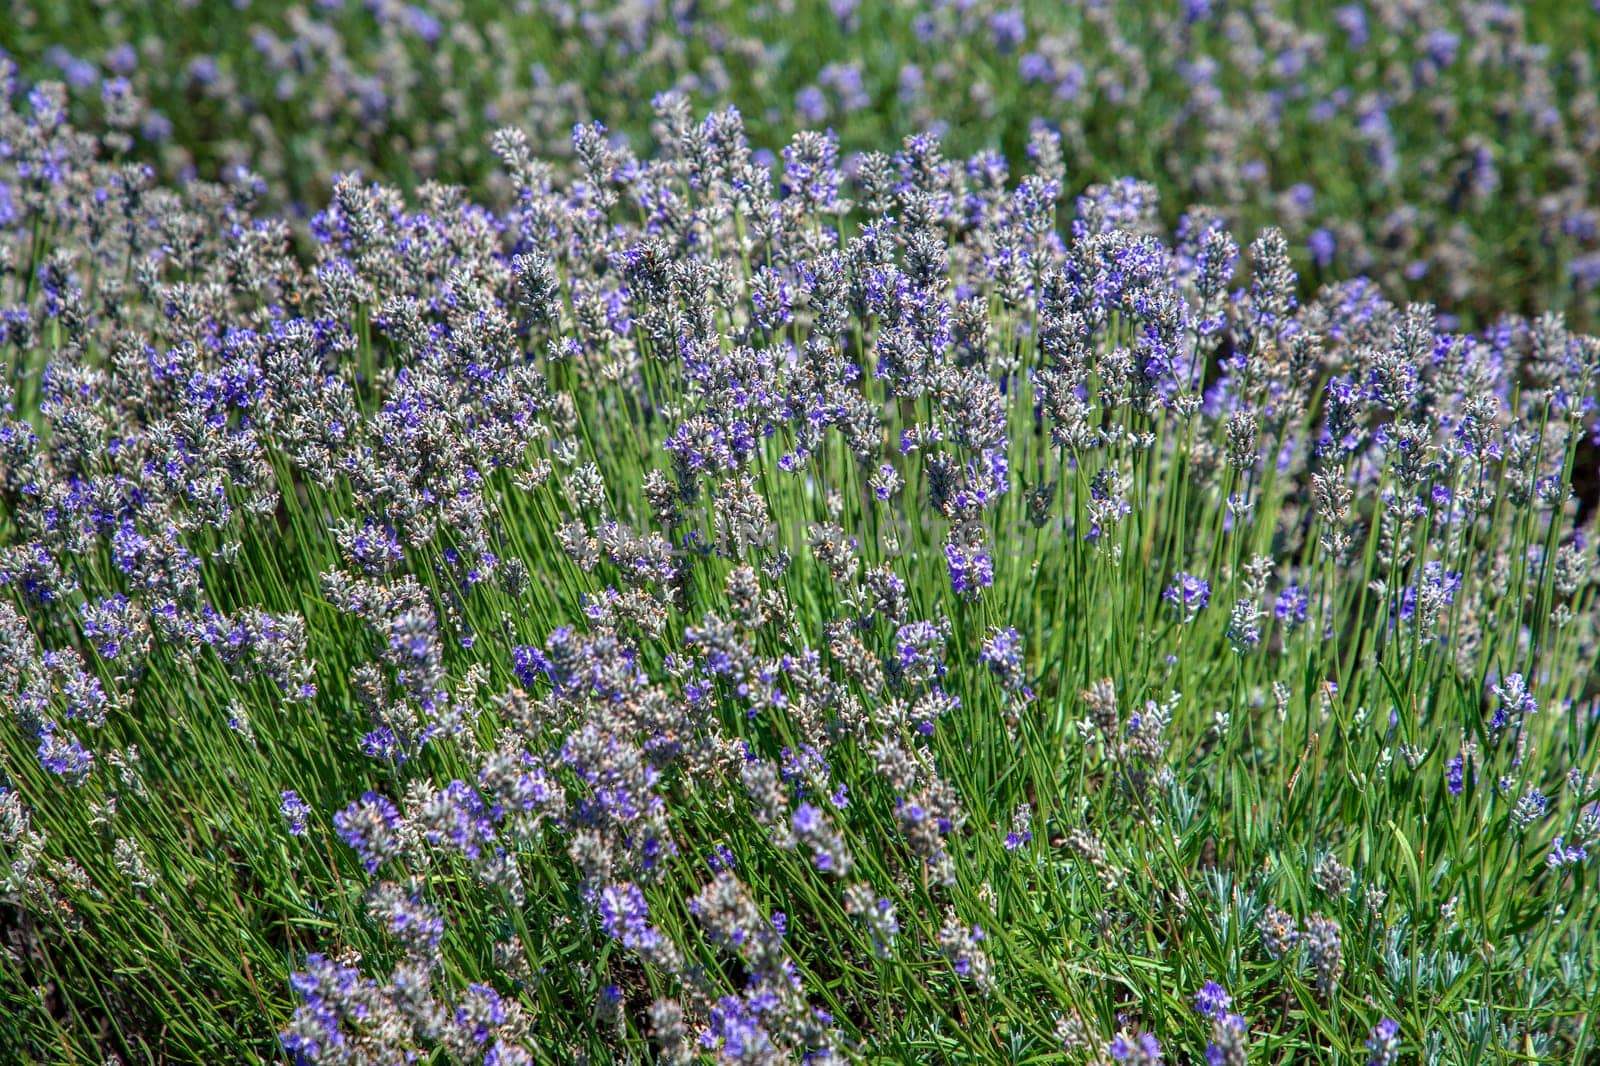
(720, 609)
(1443, 149)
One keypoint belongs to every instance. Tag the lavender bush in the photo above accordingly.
(708, 609)
(1445, 150)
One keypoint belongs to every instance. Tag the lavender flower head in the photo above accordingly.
(1212, 1001)
(295, 812)
(1141, 1050)
(371, 827)
(1189, 594)
(1384, 1043)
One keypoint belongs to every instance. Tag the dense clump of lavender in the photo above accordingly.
(1446, 150)
(722, 609)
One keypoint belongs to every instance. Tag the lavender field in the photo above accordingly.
(654, 532)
